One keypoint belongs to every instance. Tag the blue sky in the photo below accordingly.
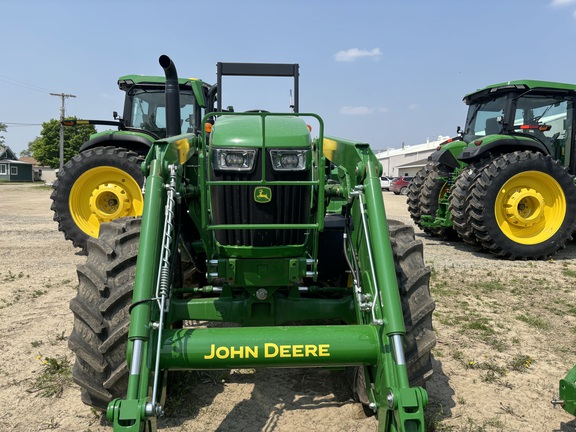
(379, 71)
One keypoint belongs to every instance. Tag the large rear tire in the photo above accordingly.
(101, 316)
(523, 206)
(96, 186)
(460, 199)
(413, 198)
(434, 189)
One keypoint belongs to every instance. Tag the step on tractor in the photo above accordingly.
(505, 184)
(261, 244)
(103, 182)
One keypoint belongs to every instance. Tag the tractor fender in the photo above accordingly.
(506, 144)
(444, 157)
(137, 142)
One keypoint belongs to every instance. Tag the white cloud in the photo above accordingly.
(353, 54)
(361, 110)
(413, 106)
(559, 3)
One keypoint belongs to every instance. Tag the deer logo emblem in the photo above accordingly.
(262, 194)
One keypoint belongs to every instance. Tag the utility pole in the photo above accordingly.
(62, 117)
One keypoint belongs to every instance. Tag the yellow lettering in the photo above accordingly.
(284, 350)
(311, 350)
(270, 350)
(252, 352)
(222, 352)
(211, 355)
(297, 350)
(239, 352)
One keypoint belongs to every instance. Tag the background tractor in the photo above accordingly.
(505, 184)
(104, 181)
(282, 235)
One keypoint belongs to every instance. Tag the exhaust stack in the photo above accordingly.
(173, 119)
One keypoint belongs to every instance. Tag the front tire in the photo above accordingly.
(523, 206)
(101, 313)
(417, 304)
(94, 187)
(417, 307)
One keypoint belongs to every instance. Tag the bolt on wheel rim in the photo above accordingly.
(530, 207)
(103, 194)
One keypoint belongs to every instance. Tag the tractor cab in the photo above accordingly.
(532, 114)
(145, 104)
(506, 183)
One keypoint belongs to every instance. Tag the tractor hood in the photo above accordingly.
(249, 130)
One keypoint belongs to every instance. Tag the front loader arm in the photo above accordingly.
(163, 169)
(399, 406)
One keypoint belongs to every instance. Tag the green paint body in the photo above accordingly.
(262, 285)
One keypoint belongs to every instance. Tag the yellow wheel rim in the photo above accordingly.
(103, 194)
(443, 191)
(530, 207)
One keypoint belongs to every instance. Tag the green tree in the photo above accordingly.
(46, 147)
(29, 150)
(3, 128)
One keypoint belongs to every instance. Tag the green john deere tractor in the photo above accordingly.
(506, 183)
(257, 222)
(104, 181)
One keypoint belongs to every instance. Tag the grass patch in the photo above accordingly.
(37, 293)
(490, 286)
(12, 277)
(56, 374)
(521, 363)
(533, 321)
(481, 325)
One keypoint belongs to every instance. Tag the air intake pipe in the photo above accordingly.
(173, 119)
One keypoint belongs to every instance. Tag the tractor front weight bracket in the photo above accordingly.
(406, 405)
(128, 415)
(567, 399)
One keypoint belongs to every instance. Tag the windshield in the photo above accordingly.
(148, 110)
(483, 118)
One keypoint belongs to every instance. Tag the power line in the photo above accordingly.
(20, 124)
(23, 84)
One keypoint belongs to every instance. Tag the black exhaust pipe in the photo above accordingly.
(173, 119)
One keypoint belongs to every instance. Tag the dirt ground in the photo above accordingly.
(506, 334)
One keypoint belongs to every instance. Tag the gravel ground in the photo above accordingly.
(506, 334)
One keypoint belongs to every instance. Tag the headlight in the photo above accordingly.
(234, 159)
(289, 160)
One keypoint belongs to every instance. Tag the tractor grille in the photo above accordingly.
(235, 204)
